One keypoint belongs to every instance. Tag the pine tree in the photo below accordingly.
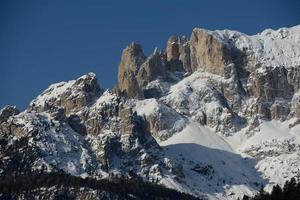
(277, 193)
(246, 197)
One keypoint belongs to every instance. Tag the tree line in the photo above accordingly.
(123, 187)
(290, 191)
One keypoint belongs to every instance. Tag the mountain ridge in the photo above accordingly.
(215, 115)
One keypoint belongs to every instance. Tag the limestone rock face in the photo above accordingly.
(132, 58)
(280, 110)
(295, 105)
(136, 71)
(269, 83)
(8, 111)
(208, 53)
(293, 76)
(103, 113)
(273, 92)
(127, 121)
(178, 54)
(154, 67)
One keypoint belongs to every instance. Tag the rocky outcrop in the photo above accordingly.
(75, 123)
(270, 83)
(203, 51)
(8, 111)
(273, 92)
(208, 53)
(132, 58)
(295, 105)
(71, 96)
(178, 54)
(293, 75)
(136, 71)
(161, 122)
(127, 121)
(280, 110)
(155, 67)
(294, 80)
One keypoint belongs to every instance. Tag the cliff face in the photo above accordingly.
(178, 54)
(208, 53)
(247, 63)
(132, 59)
(182, 117)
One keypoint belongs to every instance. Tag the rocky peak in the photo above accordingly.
(153, 68)
(203, 51)
(71, 96)
(88, 83)
(136, 70)
(132, 58)
(178, 54)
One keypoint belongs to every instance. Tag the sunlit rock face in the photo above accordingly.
(208, 53)
(131, 61)
(178, 54)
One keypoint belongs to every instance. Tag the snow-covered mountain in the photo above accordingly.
(216, 115)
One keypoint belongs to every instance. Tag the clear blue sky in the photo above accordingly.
(48, 41)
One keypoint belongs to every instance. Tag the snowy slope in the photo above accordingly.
(276, 147)
(200, 135)
(210, 165)
(59, 147)
(270, 48)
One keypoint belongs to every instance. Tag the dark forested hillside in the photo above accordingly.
(68, 187)
(290, 191)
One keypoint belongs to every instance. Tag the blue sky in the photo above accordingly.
(43, 41)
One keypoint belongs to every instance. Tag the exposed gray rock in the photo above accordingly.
(155, 67)
(295, 105)
(178, 54)
(127, 121)
(8, 111)
(270, 83)
(293, 75)
(75, 123)
(273, 92)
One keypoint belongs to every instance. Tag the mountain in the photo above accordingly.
(215, 116)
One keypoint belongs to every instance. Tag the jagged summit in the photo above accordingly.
(215, 115)
(71, 95)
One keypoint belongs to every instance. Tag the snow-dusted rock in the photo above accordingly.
(8, 111)
(71, 96)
